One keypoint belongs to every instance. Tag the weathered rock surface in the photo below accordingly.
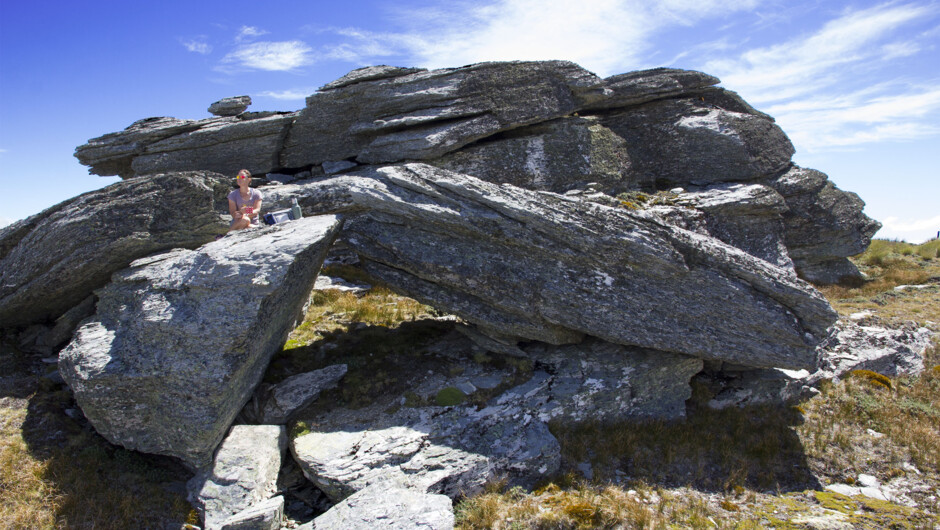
(54, 260)
(425, 114)
(230, 106)
(387, 506)
(276, 403)
(597, 380)
(465, 246)
(824, 225)
(746, 216)
(556, 155)
(455, 446)
(243, 474)
(681, 142)
(225, 144)
(266, 515)
(540, 125)
(181, 339)
(888, 351)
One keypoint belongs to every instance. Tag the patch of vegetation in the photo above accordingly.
(711, 450)
(906, 411)
(638, 200)
(449, 397)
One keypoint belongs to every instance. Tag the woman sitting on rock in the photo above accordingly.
(244, 203)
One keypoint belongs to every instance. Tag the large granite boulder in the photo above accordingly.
(181, 339)
(52, 261)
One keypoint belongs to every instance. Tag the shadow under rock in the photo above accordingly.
(94, 483)
(711, 450)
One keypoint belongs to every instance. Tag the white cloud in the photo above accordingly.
(272, 56)
(6, 221)
(290, 94)
(826, 88)
(914, 230)
(805, 64)
(874, 114)
(197, 45)
(606, 36)
(249, 32)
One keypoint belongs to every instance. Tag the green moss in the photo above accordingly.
(449, 397)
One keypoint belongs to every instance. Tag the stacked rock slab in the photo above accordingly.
(181, 339)
(542, 125)
(52, 261)
(466, 246)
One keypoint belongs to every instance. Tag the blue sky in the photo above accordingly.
(856, 85)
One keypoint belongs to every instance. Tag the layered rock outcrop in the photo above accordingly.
(541, 125)
(466, 245)
(613, 235)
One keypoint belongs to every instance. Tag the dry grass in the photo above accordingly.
(583, 506)
(906, 410)
(888, 265)
(333, 310)
(55, 472)
(26, 499)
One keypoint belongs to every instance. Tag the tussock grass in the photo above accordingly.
(888, 265)
(333, 310)
(905, 409)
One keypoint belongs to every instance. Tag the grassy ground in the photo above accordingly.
(739, 468)
(56, 472)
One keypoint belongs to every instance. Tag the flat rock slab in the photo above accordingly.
(496, 424)
(181, 339)
(243, 474)
(55, 259)
(388, 506)
(266, 515)
(278, 402)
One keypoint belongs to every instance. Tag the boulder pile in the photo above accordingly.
(614, 236)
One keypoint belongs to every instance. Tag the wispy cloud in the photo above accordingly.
(827, 88)
(248, 33)
(609, 37)
(915, 230)
(199, 45)
(271, 56)
(290, 94)
(806, 63)
(4, 221)
(874, 114)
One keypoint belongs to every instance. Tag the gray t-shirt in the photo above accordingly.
(239, 201)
